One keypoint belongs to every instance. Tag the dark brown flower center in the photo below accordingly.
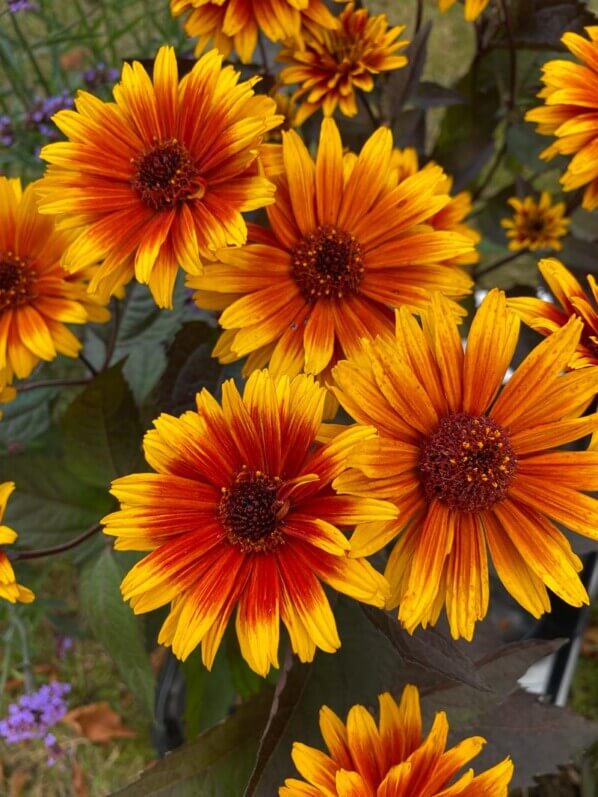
(251, 511)
(536, 225)
(327, 264)
(166, 174)
(468, 463)
(17, 281)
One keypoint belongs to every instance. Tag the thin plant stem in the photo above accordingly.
(27, 48)
(52, 383)
(97, 51)
(500, 153)
(419, 15)
(6, 660)
(89, 365)
(500, 262)
(369, 110)
(14, 82)
(512, 98)
(40, 553)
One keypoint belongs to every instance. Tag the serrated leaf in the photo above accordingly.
(216, 764)
(50, 505)
(537, 736)
(144, 322)
(114, 625)
(101, 430)
(143, 369)
(428, 649)
(433, 95)
(466, 705)
(209, 694)
(541, 23)
(25, 418)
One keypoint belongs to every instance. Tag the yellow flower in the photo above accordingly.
(473, 469)
(236, 24)
(159, 177)
(570, 95)
(240, 514)
(38, 298)
(536, 225)
(9, 589)
(347, 243)
(330, 65)
(473, 8)
(546, 317)
(390, 758)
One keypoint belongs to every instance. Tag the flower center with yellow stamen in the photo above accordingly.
(251, 511)
(17, 281)
(468, 463)
(166, 174)
(327, 264)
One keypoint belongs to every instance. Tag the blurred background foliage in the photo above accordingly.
(73, 428)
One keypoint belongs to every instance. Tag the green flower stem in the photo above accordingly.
(31, 55)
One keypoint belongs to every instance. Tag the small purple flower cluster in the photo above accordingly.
(39, 116)
(100, 75)
(14, 6)
(34, 714)
(7, 133)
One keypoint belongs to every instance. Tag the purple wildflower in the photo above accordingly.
(39, 116)
(6, 131)
(100, 75)
(63, 645)
(14, 6)
(32, 716)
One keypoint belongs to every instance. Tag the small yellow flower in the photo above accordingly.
(473, 8)
(331, 65)
(536, 225)
(9, 589)
(546, 317)
(236, 24)
(391, 759)
(569, 112)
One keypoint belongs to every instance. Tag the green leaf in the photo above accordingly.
(26, 418)
(101, 430)
(428, 649)
(216, 764)
(209, 694)
(115, 626)
(433, 95)
(144, 322)
(50, 505)
(143, 369)
(191, 367)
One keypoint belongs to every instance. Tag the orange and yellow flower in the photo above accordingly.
(240, 513)
(347, 243)
(38, 298)
(453, 215)
(536, 224)
(546, 317)
(331, 65)
(473, 469)
(473, 8)
(391, 758)
(236, 24)
(159, 177)
(9, 589)
(570, 95)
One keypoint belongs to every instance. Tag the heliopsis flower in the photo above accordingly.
(9, 589)
(347, 243)
(37, 296)
(330, 65)
(473, 8)
(546, 317)
(452, 216)
(536, 225)
(159, 177)
(236, 24)
(390, 758)
(240, 513)
(473, 469)
(570, 95)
